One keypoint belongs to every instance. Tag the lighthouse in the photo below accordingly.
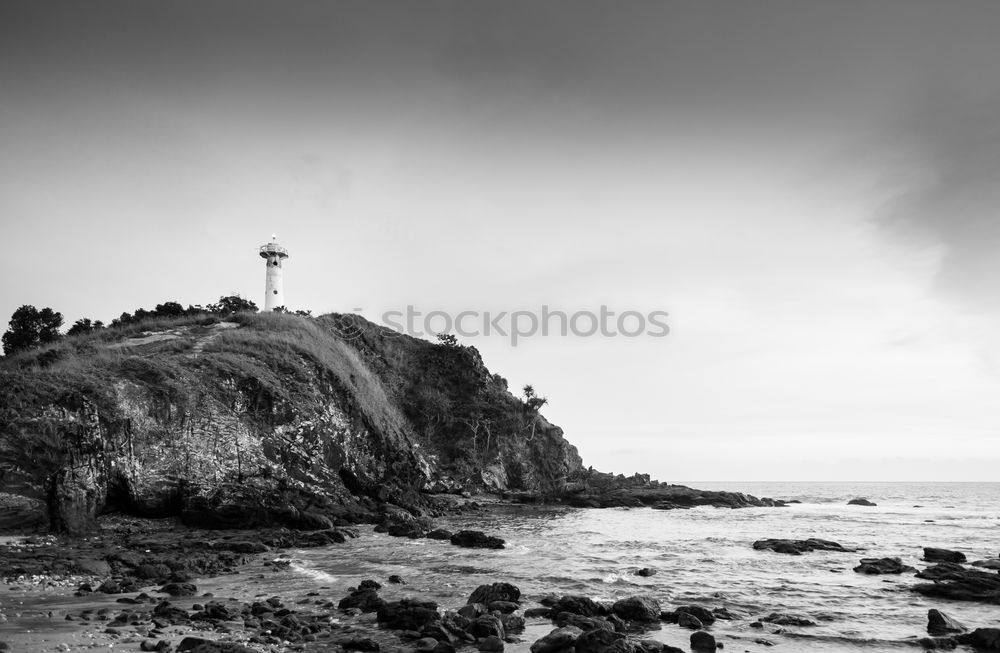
(274, 254)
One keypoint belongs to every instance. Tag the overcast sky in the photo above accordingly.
(809, 188)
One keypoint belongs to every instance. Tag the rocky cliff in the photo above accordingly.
(261, 419)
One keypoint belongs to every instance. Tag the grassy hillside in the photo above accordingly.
(258, 418)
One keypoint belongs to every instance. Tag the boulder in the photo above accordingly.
(577, 604)
(645, 572)
(490, 644)
(704, 615)
(685, 620)
(798, 547)
(637, 608)
(780, 619)
(861, 502)
(560, 640)
(366, 600)
(960, 584)
(702, 641)
(476, 540)
(882, 566)
(938, 623)
(504, 607)
(581, 622)
(602, 641)
(179, 589)
(439, 534)
(487, 625)
(934, 554)
(408, 614)
(487, 594)
(982, 638)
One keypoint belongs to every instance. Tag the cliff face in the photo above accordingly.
(269, 418)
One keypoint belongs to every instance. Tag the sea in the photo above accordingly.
(704, 556)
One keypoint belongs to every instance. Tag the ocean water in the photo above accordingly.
(704, 556)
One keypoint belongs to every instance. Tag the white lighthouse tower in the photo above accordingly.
(274, 254)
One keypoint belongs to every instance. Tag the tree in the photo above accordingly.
(447, 339)
(532, 401)
(30, 327)
(169, 309)
(232, 304)
(84, 325)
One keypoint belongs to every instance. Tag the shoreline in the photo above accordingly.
(315, 604)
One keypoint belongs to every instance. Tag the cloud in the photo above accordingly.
(946, 190)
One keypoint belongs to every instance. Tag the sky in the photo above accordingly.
(808, 188)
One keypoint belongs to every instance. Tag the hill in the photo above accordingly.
(260, 419)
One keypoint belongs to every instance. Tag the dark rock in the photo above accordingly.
(882, 566)
(487, 625)
(560, 640)
(637, 608)
(645, 572)
(861, 502)
(369, 585)
(933, 554)
(359, 644)
(780, 619)
(576, 604)
(366, 600)
(531, 613)
(960, 584)
(990, 563)
(704, 615)
(983, 638)
(602, 641)
(943, 571)
(798, 547)
(439, 534)
(109, 587)
(179, 589)
(201, 645)
(938, 623)
(490, 644)
(685, 620)
(505, 607)
(396, 580)
(476, 540)
(487, 594)
(408, 614)
(512, 623)
(702, 641)
(472, 610)
(581, 622)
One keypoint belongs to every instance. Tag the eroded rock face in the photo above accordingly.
(309, 423)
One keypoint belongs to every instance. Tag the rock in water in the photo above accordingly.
(938, 623)
(408, 614)
(933, 554)
(861, 502)
(576, 604)
(984, 638)
(798, 547)
(559, 640)
(600, 641)
(476, 540)
(883, 566)
(702, 641)
(780, 619)
(637, 608)
(487, 594)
